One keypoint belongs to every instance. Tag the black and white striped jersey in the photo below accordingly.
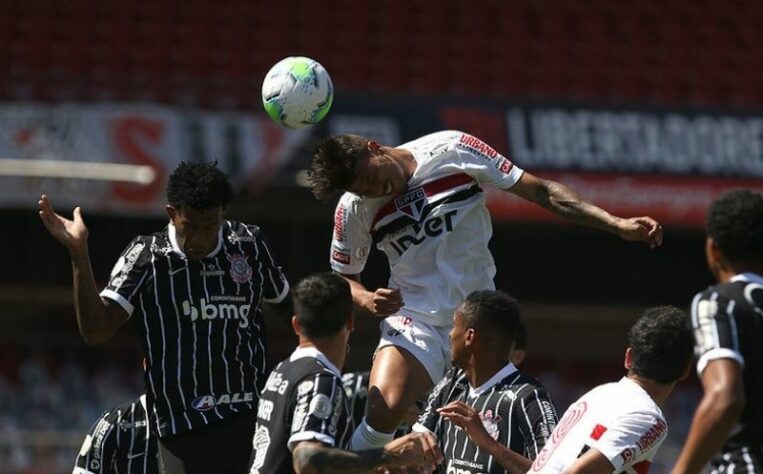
(119, 442)
(303, 400)
(728, 324)
(200, 322)
(515, 409)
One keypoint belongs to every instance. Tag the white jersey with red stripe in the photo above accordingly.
(435, 235)
(620, 420)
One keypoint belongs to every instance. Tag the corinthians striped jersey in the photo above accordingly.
(515, 409)
(119, 443)
(200, 322)
(435, 235)
(303, 400)
(728, 324)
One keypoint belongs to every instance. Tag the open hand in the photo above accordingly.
(71, 233)
(641, 229)
(469, 420)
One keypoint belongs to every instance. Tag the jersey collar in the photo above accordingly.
(301, 352)
(748, 277)
(500, 375)
(173, 240)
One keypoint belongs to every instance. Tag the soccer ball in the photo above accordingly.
(297, 92)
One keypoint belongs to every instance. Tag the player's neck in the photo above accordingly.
(332, 348)
(730, 270)
(406, 160)
(479, 371)
(657, 391)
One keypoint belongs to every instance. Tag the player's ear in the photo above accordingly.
(687, 370)
(628, 363)
(469, 336)
(171, 211)
(374, 147)
(351, 322)
(295, 325)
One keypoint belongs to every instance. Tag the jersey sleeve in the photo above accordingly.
(129, 274)
(275, 284)
(351, 241)
(714, 327)
(483, 163)
(537, 419)
(318, 407)
(438, 397)
(96, 456)
(631, 439)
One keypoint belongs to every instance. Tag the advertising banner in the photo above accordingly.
(249, 148)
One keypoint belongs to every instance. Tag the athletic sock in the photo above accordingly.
(366, 437)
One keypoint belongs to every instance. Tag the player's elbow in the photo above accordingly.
(727, 401)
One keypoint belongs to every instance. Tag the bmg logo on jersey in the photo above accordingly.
(210, 311)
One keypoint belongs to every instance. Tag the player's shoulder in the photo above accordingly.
(435, 139)
(235, 231)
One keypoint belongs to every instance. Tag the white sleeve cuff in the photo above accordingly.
(119, 299)
(281, 296)
(719, 353)
(79, 470)
(309, 436)
(511, 179)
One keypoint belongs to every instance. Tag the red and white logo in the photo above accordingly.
(412, 203)
(340, 256)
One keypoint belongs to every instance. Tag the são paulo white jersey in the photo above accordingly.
(435, 235)
(620, 420)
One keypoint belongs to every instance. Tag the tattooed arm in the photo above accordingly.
(564, 202)
(416, 450)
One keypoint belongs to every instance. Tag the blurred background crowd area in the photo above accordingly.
(650, 107)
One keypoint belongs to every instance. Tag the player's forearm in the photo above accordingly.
(513, 462)
(314, 459)
(564, 202)
(359, 292)
(716, 416)
(93, 321)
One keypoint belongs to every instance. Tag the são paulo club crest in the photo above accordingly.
(240, 271)
(412, 203)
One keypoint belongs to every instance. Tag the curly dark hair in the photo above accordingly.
(200, 185)
(334, 164)
(322, 304)
(662, 344)
(494, 312)
(735, 223)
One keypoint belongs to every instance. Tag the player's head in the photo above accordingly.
(660, 345)
(355, 164)
(322, 307)
(197, 195)
(485, 323)
(520, 345)
(734, 230)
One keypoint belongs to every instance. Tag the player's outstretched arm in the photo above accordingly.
(97, 320)
(716, 415)
(564, 202)
(468, 419)
(416, 450)
(382, 302)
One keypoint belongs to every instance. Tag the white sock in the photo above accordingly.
(366, 437)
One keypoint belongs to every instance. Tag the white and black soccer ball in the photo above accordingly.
(297, 92)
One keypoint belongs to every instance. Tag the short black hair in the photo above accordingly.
(661, 343)
(520, 341)
(494, 313)
(335, 163)
(200, 185)
(322, 304)
(735, 223)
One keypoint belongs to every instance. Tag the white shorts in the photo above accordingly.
(429, 344)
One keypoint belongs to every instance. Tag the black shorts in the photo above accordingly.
(224, 447)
